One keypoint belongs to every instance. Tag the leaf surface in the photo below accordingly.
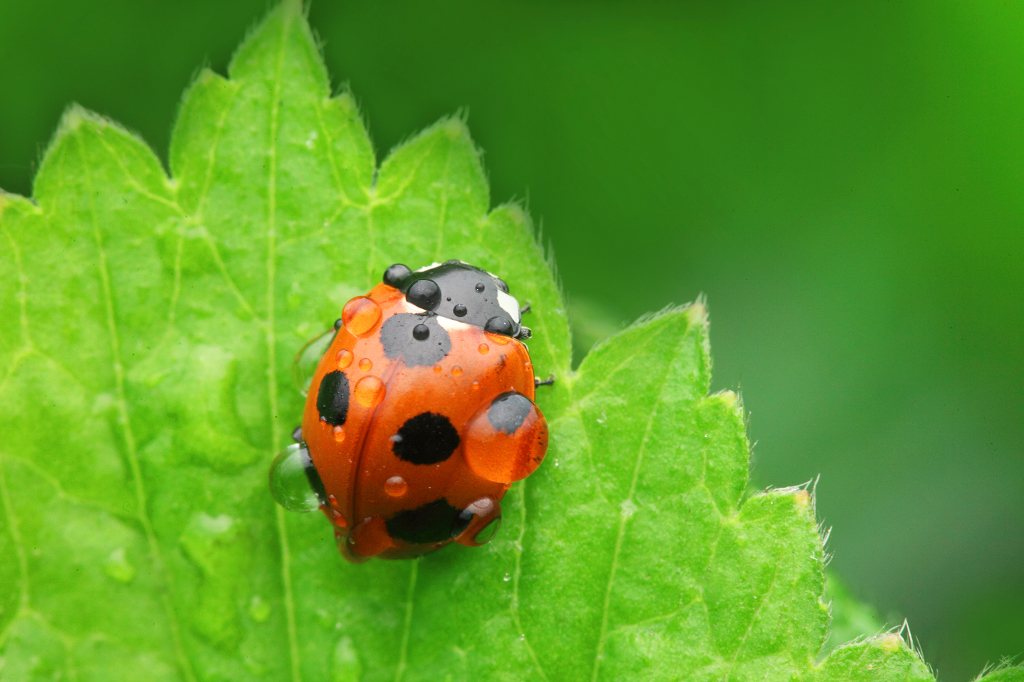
(150, 324)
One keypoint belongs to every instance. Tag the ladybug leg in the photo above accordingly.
(550, 381)
(525, 309)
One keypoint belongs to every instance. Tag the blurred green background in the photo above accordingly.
(843, 183)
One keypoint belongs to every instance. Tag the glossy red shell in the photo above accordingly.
(368, 486)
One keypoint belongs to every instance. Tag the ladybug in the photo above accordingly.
(419, 415)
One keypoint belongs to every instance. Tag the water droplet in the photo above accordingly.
(396, 486)
(456, 371)
(499, 339)
(118, 567)
(395, 274)
(345, 663)
(506, 440)
(360, 316)
(460, 310)
(498, 325)
(220, 547)
(338, 519)
(421, 332)
(488, 532)
(366, 364)
(480, 287)
(339, 434)
(483, 348)
(290, 482)
(344, 358)
(437, 369)
(475, 386)
(369, 391)
(507, 577)
(304, 365)
(259, 610)
(424, 293)
(477, 523)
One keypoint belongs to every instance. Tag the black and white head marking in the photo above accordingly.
(460, 291)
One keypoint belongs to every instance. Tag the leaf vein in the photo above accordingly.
(514, 606)
(271, 342)
(125, 421)
(19, 548)
(62, 494)
(623, 517)
(753, 619)
(443, 215)
(407, 626)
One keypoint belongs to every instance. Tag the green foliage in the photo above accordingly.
(151, 321)
(850, 618)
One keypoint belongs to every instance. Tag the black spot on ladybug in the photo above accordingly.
(424, 293)
(401, 336)
(508, 411)
(460, 310)
(396, 274)
(430, 523)
(499, 325)
(332, 398)
(427, 438)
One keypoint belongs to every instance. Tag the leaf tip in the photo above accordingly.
(73, 118)
(697, 312)
(728, 398)
(890, 642)
(802, 499)
(267, 35)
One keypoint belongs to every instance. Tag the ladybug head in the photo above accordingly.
(462, 292)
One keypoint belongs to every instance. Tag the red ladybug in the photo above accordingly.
(419, 416)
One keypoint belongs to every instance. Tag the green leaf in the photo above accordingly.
(850, 618)
(150, 325)
(1004, 673)
(886, 657)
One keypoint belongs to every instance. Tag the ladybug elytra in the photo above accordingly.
(419, 415)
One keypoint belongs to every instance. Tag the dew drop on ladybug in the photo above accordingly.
(360, 316)
(307, 359)
(294, 482)
(419, 414)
